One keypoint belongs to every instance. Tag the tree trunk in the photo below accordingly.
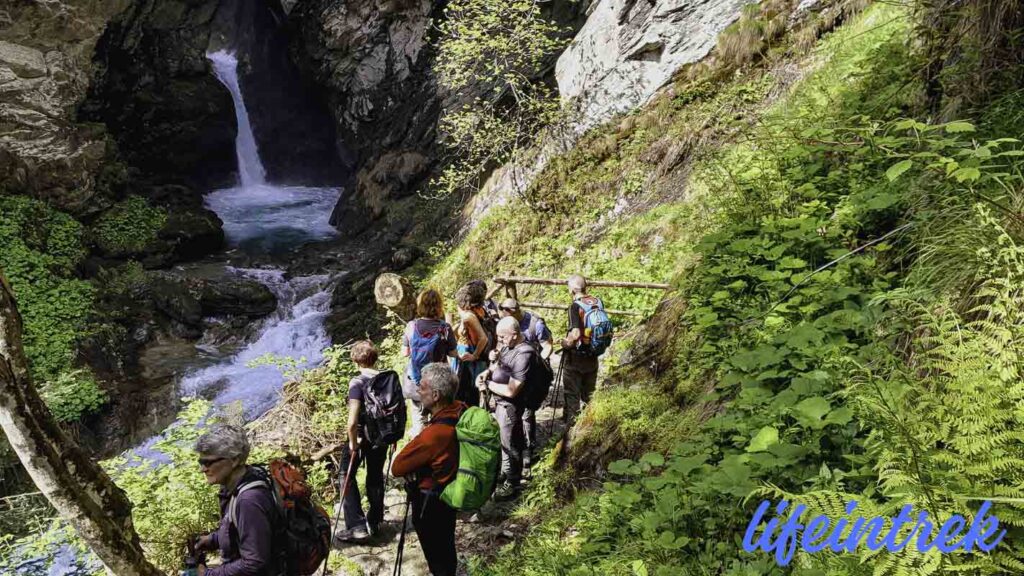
(75, 485)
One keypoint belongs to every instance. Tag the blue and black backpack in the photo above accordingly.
(424, 349)
(597, 327)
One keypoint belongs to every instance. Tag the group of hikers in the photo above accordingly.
(474, 386)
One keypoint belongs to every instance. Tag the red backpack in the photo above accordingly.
(303, 529)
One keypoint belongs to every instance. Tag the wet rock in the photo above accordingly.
(236, 297)
(405, 257)
(192, 234)
(172, 296)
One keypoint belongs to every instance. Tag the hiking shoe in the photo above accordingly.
(357, 534)
(506, 492)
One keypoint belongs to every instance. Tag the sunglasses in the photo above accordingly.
(207, 462)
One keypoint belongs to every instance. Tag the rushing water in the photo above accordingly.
(250, 168)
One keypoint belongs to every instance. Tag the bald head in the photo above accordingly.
(508, 332)
(577, 284)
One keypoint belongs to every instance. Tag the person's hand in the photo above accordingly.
(493, 355)
(204, 542)
(353, 445)
(467, 357)
(481, 380)
(201, 570)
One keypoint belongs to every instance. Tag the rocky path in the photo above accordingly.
(476, 534)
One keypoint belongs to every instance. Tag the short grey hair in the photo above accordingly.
(225, 441)
(440, 378)
(577, 283)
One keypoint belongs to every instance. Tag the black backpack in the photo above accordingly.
(489, 322)
(539, 378)
(383, 409)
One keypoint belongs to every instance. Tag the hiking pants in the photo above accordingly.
(513, 441)
(375, 460)
(435, 526)
(579, 378)
(530, 432)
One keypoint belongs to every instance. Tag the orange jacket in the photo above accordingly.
(433, 456)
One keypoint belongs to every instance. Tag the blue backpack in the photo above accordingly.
(425, 347)
(597, 327)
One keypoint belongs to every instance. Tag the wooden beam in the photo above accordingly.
(564, 307)
(590, 283)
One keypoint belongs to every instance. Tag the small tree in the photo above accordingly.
(76, 487)
(495, 49)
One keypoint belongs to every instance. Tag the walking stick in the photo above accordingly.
(554, 395)
(401, 540)
(341, 504)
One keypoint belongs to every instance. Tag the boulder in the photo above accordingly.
(236, 297)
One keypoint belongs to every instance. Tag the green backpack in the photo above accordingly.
(479, 460)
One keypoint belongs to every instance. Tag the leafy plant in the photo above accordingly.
(72, 395)
(128, 227)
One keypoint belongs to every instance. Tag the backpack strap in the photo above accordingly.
(449, 421)
(233, 504)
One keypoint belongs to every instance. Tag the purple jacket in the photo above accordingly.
(246, 549)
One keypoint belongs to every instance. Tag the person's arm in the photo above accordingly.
(545, 339)
(575, 329)
(406, 348)
(451, 342)
(353, 424)
(518, 368)
(416, 455)
(254, 511)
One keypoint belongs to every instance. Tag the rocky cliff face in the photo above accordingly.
(625, 52)
(45, 53)
(628, 49)
(373, 59)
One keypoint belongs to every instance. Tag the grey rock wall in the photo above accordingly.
(45, 53)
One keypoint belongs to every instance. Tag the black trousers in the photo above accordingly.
(353, 505)
(435, 526)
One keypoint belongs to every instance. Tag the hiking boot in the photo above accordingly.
(357, 534)
(506, 492)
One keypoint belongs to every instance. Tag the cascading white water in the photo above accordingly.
(295, 330)
(250, 168)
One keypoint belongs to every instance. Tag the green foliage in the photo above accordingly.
(39, 250)
(490, 52)
(128, 227)
(72, 395)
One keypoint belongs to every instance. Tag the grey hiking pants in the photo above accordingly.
(513, 441)
(579, 378)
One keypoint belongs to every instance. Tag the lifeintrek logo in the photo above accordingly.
(783, 533)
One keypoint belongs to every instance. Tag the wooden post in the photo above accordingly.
(395, 293)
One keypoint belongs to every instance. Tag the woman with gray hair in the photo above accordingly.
(247, 508)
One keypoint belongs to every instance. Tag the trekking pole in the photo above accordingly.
(554, 396)
(341, 504)
(401, 540)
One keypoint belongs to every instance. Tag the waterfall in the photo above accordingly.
(250, 169)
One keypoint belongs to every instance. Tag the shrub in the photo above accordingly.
(128, 227)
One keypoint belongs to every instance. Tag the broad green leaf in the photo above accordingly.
(897, 169)
(967, 173)
(811, 410)
(652, 459)
(959, 126)
(764, 438)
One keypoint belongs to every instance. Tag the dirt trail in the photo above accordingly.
(475, 533)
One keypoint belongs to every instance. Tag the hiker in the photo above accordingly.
(478, 291)
(579, 372)
(359, 449)
(430, 461)
(473, 345)
(427, 339)
(520, 360)
(246, 547)
(536, 334)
